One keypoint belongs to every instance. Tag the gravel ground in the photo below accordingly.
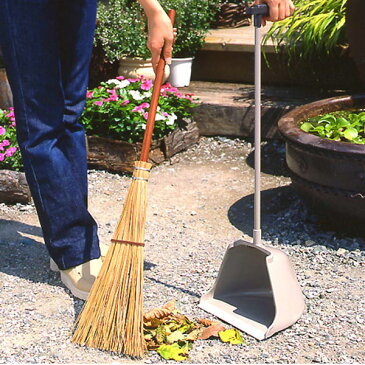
(199, 202)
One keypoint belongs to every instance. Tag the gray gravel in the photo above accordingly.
(199, 202)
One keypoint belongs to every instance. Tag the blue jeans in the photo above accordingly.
(47, 46)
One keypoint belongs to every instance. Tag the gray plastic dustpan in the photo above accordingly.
(256, 289)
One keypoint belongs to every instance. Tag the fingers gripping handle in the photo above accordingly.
(146, 144)
(258, 11)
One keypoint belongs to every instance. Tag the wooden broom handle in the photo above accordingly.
(154, 100)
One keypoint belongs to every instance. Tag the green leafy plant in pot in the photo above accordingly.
(121, 33)
(193, 20)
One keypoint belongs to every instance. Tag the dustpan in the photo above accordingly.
(256, 289)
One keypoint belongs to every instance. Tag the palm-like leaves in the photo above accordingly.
(315, 29)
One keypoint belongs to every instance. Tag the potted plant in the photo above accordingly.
(325, 153)
(193, 20)
(121, 33)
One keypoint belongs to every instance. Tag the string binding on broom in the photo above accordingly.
(141, 168)
(128, 242)
(139, 178)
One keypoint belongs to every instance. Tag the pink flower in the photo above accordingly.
(2, 157)
(133, 80)
(13, 124)
(146, 85)
(5, 142)
(11, 108)
(179, 95)
(125, 102)
(10, 114)
(140, 107)
(89, 94)
(145, 115)
(2, 130)
(10, 151)
(120, 77)
(164, 114)
(98, 103)
(137, 109)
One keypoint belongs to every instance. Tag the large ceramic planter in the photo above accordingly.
(329, 175)
(135, 67)
(180, 74)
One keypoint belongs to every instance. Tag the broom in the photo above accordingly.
(112, 317)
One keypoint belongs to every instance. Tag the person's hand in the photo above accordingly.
(160, 34)
(279, 9)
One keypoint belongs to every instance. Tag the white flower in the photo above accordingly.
(143, 126)
(159, 116)
(171, 119)
(119, 83)
(136, 95)
(147, 94)
(113, 81)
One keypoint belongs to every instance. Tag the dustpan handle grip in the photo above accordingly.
(146, 144)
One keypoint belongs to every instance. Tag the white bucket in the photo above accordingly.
(180, 71)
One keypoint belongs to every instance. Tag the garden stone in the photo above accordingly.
(13, 187)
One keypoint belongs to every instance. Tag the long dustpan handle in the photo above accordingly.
(146, 144)
(258, 11)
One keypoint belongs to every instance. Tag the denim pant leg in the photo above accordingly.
(33, 38)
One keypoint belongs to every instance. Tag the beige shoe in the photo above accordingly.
(79, 279)
(103, 249)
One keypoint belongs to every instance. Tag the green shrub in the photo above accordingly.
(118, 109)
(345, 126)
(122, 27)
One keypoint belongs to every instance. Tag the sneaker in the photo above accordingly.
(79, 279)
(103, 249)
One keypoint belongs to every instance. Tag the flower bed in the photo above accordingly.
(9, 152)
(118, 109)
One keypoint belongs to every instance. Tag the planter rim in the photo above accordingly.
(139, 59)
(182, 58)
(289, 129)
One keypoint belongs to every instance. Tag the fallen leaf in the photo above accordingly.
(206, 322)
(161, 334)
(173, 352)
(153, 323)
(193, 335)
(232, 336)
(175, 337)
(211, 331)
(158, 313)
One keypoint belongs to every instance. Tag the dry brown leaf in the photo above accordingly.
(211, 331)
(194, 335)
(158, 313)
(171, 305)
(206, 322)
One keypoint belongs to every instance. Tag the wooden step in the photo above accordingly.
(227, 109)
(239, 39)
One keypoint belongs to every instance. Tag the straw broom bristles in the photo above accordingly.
(112, 317)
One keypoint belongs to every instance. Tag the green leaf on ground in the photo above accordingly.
(173, 352)
(232, 336)
(175, 337)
